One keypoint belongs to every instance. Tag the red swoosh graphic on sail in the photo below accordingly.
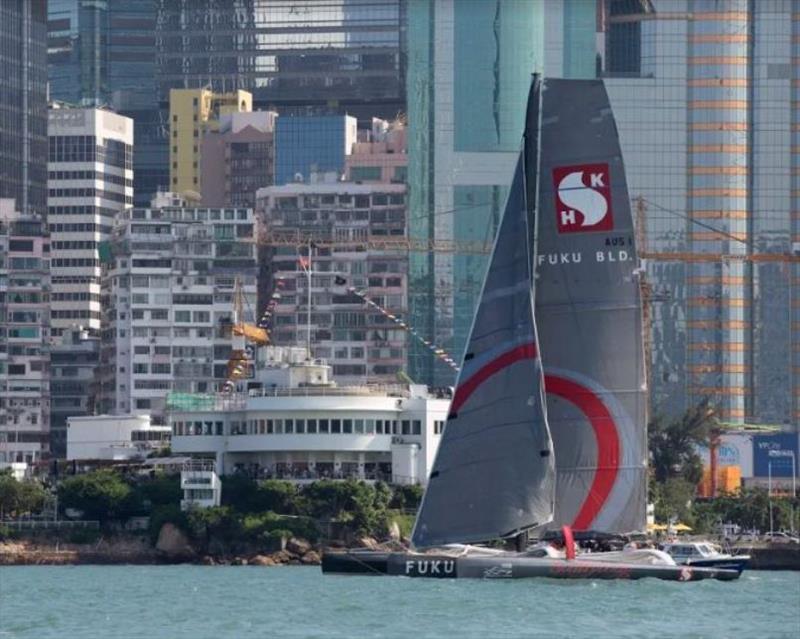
(605, 431)
(466, 388)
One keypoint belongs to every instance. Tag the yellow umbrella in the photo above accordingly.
(656, 527)
(681, 528)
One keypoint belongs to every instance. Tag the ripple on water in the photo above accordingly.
(176, 602)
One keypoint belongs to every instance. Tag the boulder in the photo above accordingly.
(262, 560)
(281, 557)
(172, 541)
(311, 558)
(366, 542)
(298, 546)
(208, 561)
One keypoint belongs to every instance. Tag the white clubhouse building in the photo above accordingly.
(294, 423)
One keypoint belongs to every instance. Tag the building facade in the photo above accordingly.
(315, 429)
(90, 181)
(193, 113)
(104, 54)
(24, 336)
(337, 55)
(379, 155)
(74, 382)
(170, 289)
(704, 96)
(238, 159)
(469, 73)
(307, 144)
(23, 104)
(358, 234)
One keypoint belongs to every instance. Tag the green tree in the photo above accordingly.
(101, 495)
(673, 444)
(20, 497)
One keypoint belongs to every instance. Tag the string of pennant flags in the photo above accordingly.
(266, 319)
(442, 354)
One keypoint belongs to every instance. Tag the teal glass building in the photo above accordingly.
(469, 72)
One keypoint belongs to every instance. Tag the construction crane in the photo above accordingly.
(239, 363)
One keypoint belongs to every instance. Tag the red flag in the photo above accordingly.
(304, 262)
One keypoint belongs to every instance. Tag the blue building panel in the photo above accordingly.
(306, 144)
(775, 451)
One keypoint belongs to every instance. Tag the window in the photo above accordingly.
(416, 427)
(300, 426)
(336, 426)
(347, 426)
(311, 426)
(288, 426)
(270, 427)
(279, 426)
(323, 426)
(406, 424)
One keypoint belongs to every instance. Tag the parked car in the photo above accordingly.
(782, 538)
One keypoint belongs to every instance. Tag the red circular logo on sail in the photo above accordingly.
(583, 198)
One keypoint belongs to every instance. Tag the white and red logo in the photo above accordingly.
(583, 198)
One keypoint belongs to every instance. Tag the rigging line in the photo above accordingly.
(698, 222)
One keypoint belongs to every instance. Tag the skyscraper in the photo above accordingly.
(469, 72)
(103, 53)
(705, 96)
(340, 55)
(90, 181)
(23, 104)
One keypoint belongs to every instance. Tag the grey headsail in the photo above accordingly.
(588, 310)
(494, 472)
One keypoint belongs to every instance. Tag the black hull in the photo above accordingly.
(506, 566)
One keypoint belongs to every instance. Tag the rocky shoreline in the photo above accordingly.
(31, 554)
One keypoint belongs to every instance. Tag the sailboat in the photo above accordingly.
(546, 428)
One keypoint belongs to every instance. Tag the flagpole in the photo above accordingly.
(308, 315)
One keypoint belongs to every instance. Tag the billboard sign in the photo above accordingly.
(775, 454)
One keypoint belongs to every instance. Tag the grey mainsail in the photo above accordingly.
(588, 312)
(494, 472)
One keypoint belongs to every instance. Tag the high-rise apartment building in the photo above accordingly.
(469, 72)
(345, 223)
(24, 336)
(238, 159)
(23, 104)
(171, 288)
(312, 144)
(193, 112)
(74, 382)
(705, 95)
(90, 180)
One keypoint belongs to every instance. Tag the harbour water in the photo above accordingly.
(178, 602)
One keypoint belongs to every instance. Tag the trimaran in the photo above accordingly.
(560, 311)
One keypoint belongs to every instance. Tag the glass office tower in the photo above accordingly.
(470, 66)
(705, 95)
(23, 104)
